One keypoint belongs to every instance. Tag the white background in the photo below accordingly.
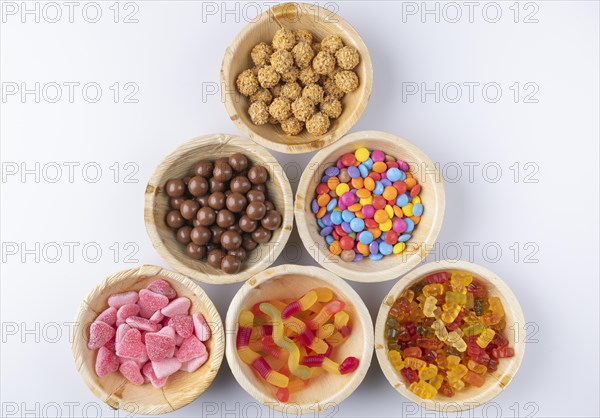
(545, 222)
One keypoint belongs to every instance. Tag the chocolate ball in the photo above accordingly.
(174, 219)
(261, 235)
(217, 232)
(183, 234)
(215, 257)
(195, 251)
(239, 253)
(257, 175)
(230, 240)
(175, 202)
(200, 235)
(271, 220)
(222, 171)
(255, 195)
(246, 224)
(189, 208)
(216, 200)
(230, 264)
(269, 205)
(198, 186)
(204, 168)
(216, 185)
(240, 184)
(225, 218)
(203, 200)
(248, 243)
(206, 216)
(238, 162)
(256, 210)
(175, 188)
(236, 202)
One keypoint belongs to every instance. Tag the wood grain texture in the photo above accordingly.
(180, 163)
(425, 233)
(292, 281)
(320, 22)
(182, 387)
(496, 382)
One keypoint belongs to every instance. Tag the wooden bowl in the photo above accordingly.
(182, 387)
(320, 22)
(470, 397)
(425, 233)
(292, 281)
(180, 163)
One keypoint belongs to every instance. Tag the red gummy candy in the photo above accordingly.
(179, 306)
(160, 345)
(100, 334)
(348, 365)
(131, 371)
(126, 311)
(131, 345)
(191, 348)
(503, 352)
(151, 302)
(477, 289)
(410, 375)
(441, 277)
(183, 325)
(106, 362)
(282, 395)
(142, 324)
(109, 316)
(162, 287)
(119, 299)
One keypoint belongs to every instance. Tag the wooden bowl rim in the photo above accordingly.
(339, 267)
(336, 283)
(318, 142)
(154, 186)
(88, 374)
(439, 404)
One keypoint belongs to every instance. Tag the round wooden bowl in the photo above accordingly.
(470, 397)
(292, 281)
(182, 387)
(180, 163)
(320, 22)
(425, 233)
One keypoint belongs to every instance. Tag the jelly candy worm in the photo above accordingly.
(299, 305)
(347, 366)
(324, 314)
(245, 321)
(305, 335)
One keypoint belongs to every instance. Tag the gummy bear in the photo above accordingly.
(423, 389)
(429, 306)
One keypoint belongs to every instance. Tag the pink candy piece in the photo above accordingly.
(148, 372)
(123, 328)
(166, 367)
(399, 225)
(131, 345)
(183, 325)
(126, 311)
(190, 348)
(179, 306)
(131, 371)
(106, 362)
(178, 340)
(100, 334)
(142, 324)
(109, 316)
(162, 287)
(160, 345)
(377, 155)
(194, 364)
(119, 299)
(157, 317)
(151, 302)
(348, 198)
(368, 211)
(201, 327)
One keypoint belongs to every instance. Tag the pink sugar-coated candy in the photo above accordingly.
(123, 328)
(148, 372)
(183, 325)
(194, 364)
(100, 334)
(140, 361)
(125, 311)
(160, 345)
(157, 317)
(106, 362)
(162, 287)
(119, 299)
(166, 367)
(131, 371)
(201, 328)
(131, 345)
(348, 198)
(399, 225)
(151, 302)
(368, 211)
(377, 155)
(178, 340)
(142, 324)
(179, 306)
(109, 316)
(190, 348)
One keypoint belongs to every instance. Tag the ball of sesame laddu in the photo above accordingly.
(303, 54)
(247, 83)
(331, 107)
(323, 63)
(303, 108)
(268, 77)
(262, 95)
(347, 57)
(308, 75)
(291, 91)
(282, 60)
(313, 92)
(259, 113)
(302, 35)
(284, 39)
(347, 81)
(331, 43)
(292, 126)
(332, 89)
(290, 75)
(317, 124)
(261, 53)
(280, 108)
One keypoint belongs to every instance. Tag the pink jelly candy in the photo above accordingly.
(195, 363)
(125, 311)
(100, 334)
(131, 345)
(123, 328)
(178, 340)
(142, 324)
(183, 325)
(131, 371)
(201, 327)
(157, 317)
(151, 302)
(119, 299)
(160, 345)
(106, 362)
(190, 348)
(166, 367)
(162, 287)
(148, 372)
(109, 316)
(179, 306)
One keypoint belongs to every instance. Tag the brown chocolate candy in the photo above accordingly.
(257, 175)
(175, 188)
(204, 168)
(269, 205)
(246, 224)
(230, 240)
(217, 233)
(198, 186)
(174, 219)
(256, 211)
(239, 253)
(225, 218)
(236, 202)
(222, 171)
(240, 184)
(183, 234)
(216, 185)
(215, 257)
(271, 221)
(255, 195)
(189, 208)
(216, 200)
(201, 235)
(195, 251)
(206, 216)
(248, 243)
(175, 202)
(238, 162)
(230, 264)
(261, 235)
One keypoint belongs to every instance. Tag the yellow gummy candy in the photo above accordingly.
(408, 294)
(434, 289)
(453, 361)
(428, 372)
(437, 381)
(457, 373)
(340, 319)
(458, 298)
(423, 389)
(477, 368)
(415, 363)
(429, 306)
(396, 359)
(440, 330)
(459, 281)
(485, 338)
(458, 385)
(450, 312)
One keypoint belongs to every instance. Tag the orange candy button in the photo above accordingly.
(355, 207)
(379, 167)
(335, 248)
(364, 193)
(410, 182)
(322, 211)
(381, 216)
(369, 184)
(357, 183)
(390, 193)
(323, 199)
(333, 182)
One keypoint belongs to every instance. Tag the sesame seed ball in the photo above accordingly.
(292, 126)
(308, 75)
(331, 43)
(291, 91)
(331, 107)
(284, 39)
(280, 108)
(332, 89)
(318, 124)
(247, 83)
(268, 77)
(347, 57)
(261, 53)
(290, 75)
(302, 35)
(347, 81)
(303, 108)
(259, 113)
(282, 60)
(262, 95)
(303, 54)
(324, 63)
(313, 92)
